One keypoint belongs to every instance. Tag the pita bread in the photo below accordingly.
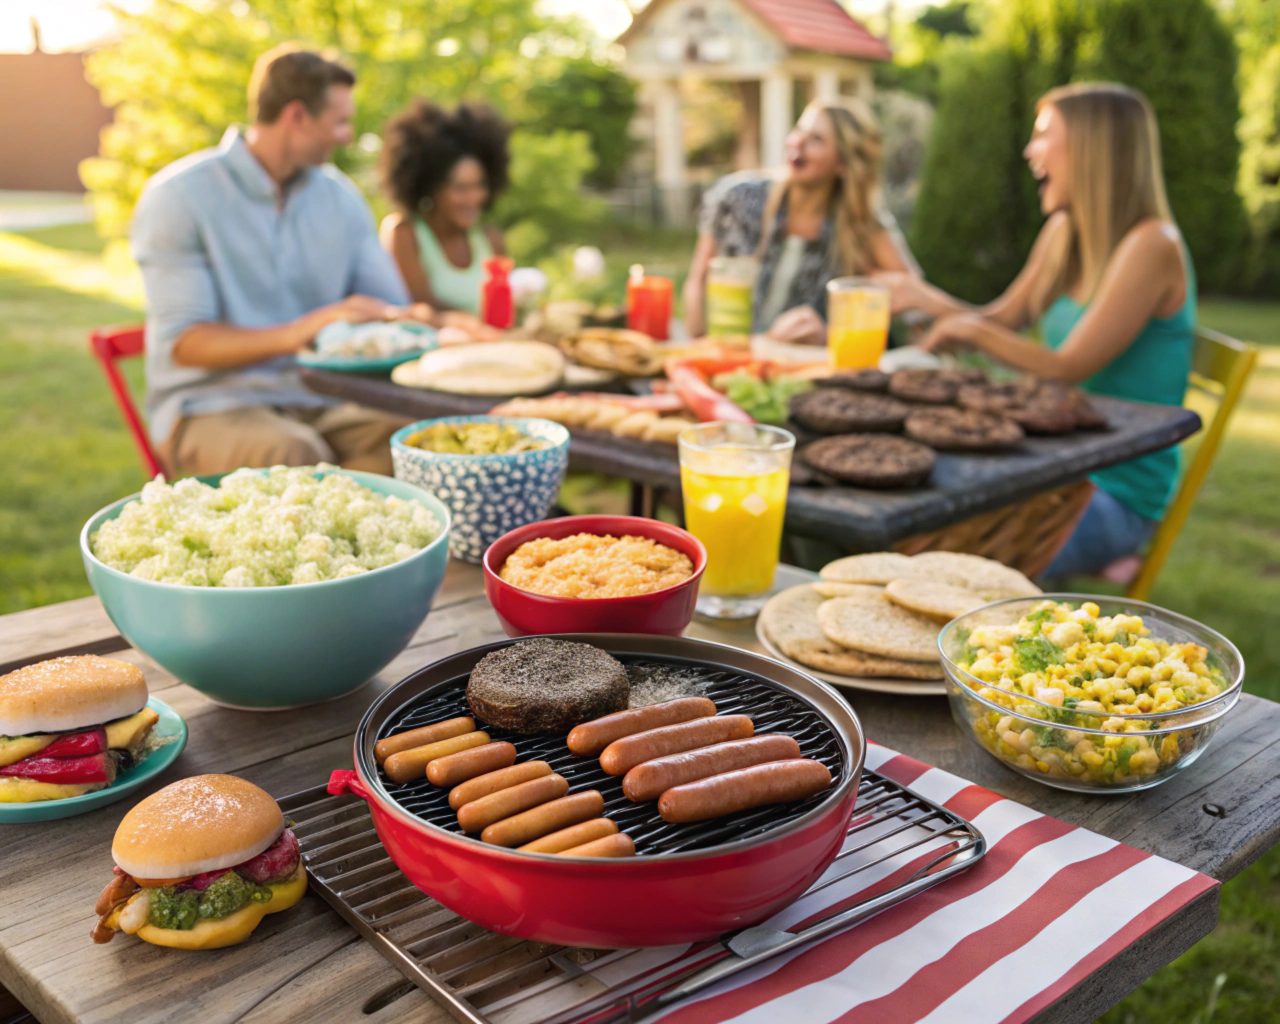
(941, 602)
(884, 629)
(878, 567)
(988, 577)
(789, 620)
(864, 590)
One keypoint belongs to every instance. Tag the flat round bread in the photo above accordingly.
(829, 588)
(885, 630)
(790, 620)
(870, 460)
(878, 567)
(941, 602)
(987, 577)
(963, 430)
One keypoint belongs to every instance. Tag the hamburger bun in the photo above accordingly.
(69, 694)
(204, 823)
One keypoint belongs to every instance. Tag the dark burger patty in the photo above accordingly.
(932, 387)
(996, 397)
(839, 411)
(1045, 416)
(871, 460)
(546, 686)
(963, 430)
(1087, 415)
(856, 380)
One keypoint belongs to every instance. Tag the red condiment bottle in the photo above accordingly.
(497, 307)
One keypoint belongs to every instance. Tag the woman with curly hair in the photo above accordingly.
(442, 170)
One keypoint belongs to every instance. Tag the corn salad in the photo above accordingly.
(1094, 672)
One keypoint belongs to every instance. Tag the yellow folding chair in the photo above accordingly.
(1221, 368)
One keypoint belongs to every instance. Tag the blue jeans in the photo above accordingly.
(1108, 530)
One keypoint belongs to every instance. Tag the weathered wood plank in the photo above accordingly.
(70, 627)
(355, 984)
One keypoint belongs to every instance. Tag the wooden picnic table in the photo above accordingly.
(307, 964)
(962, 486)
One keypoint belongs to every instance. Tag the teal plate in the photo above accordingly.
(369, 364)
(170, 725)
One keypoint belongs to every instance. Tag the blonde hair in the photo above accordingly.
(1116, 181)
(860, 148)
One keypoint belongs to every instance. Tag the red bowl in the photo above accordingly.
(524, 613)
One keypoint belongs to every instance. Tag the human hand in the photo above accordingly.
(951, 332)
(472, 325)
(906, 291)
(799, 325)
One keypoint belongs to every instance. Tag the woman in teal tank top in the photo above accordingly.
(1111, 287)
(442, 170)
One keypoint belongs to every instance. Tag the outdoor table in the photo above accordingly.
(962, 486)
(307, 964)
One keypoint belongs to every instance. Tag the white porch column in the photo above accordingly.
(826, 84)
(775, 117)
(669, 149)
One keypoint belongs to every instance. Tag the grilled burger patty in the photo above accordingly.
(546, 686)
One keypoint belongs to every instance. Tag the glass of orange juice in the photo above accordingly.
(734, 477)
(857, 322)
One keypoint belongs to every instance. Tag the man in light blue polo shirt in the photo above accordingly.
(247, 251)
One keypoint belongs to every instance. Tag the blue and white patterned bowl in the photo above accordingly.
(487, 495)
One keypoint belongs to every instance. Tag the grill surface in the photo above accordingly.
(773, 710)
(484, 978)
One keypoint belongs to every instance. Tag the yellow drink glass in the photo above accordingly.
(731, 282)
(735, 477)
(857, 322)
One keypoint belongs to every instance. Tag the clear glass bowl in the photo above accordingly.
(1069, 748)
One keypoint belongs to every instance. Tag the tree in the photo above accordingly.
(1178, 52)
(177, 76)
(595, 98)
(1260, 172)
(975, 215)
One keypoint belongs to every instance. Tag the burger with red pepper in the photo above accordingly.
(69, 725)
(199, 864)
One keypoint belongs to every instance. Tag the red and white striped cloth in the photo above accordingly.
(1045, 908)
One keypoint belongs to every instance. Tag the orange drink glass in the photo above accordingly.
(734, 477)
(857, 322)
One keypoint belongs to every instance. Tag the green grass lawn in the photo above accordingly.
(65, 454)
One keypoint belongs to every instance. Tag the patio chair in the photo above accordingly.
(109, 345)
(1221, 369)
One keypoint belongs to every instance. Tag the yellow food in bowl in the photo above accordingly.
(473, 439)
(1090, 698)
(588, 565)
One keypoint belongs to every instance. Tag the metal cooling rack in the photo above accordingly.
(485, 978)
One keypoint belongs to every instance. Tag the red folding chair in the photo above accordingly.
(109, 345)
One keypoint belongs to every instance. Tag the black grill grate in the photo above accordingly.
(771, 709)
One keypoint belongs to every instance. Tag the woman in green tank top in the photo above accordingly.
(443, 170)
(1109, 283)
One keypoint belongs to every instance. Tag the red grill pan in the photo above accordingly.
(647, 900)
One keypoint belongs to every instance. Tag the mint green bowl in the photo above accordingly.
(271, 648)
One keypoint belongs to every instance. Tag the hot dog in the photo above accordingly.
(467, 764)
(589, 738)
(478, 815)
(384, 748)
(543, 819)
(574, 835)
(620, 845)
(411, 764)
(483, 785)
(622, 755)
(650, 780)
(773, 783)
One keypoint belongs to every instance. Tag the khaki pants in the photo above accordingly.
(349, 435)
